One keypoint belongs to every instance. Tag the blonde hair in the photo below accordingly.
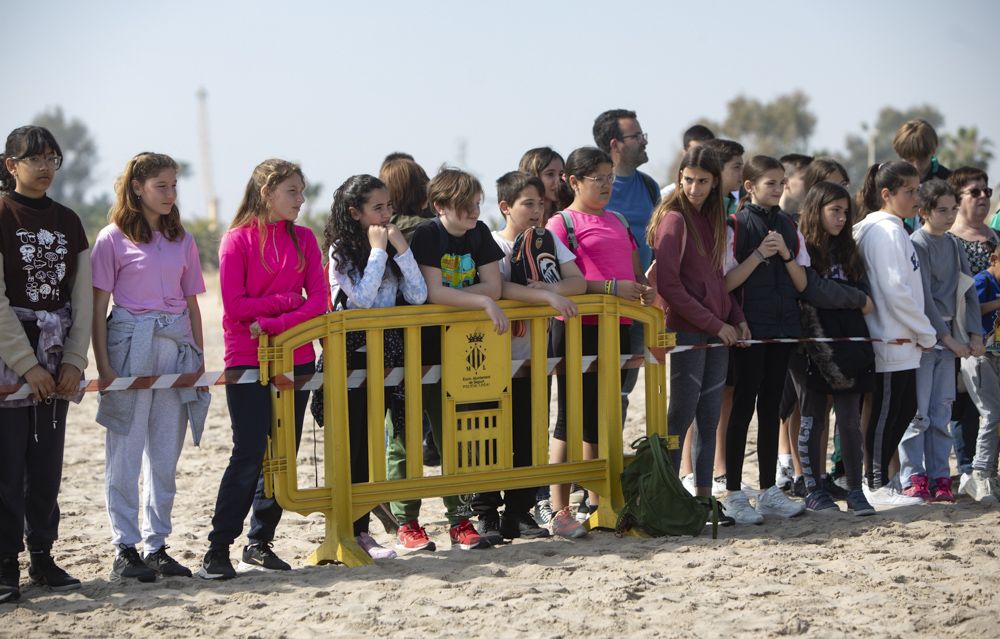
(126, 212)
(253, 209)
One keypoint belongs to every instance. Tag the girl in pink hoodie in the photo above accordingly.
(265, 264)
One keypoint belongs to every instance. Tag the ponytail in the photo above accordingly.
(252, 210)
(887, 175)
(754, 170)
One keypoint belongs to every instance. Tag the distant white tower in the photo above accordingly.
(207, 181)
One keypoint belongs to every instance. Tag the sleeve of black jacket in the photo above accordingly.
(826, 293)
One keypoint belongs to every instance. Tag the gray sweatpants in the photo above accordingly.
(152, 447)
(696, 381)
(982, 380)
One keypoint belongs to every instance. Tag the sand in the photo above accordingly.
(927, 571)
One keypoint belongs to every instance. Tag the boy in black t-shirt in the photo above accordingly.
(461, 263)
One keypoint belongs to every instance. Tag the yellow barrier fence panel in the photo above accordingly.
(475, 377)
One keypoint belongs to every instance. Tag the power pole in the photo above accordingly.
(207, 181)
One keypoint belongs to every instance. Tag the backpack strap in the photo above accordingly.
(570, 233)
(651, 187)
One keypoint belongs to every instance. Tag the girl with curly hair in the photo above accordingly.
(359, 240)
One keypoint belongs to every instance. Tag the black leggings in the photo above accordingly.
(590, 404)
(894, 403)
(759, 380)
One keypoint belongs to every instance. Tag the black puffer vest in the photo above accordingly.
(769, 299)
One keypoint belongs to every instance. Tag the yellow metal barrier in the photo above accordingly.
(475, 375)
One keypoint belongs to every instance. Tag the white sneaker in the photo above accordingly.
(979, 486)
(719, 487)
(738, 507)
(688, 481)
(774, 502)
(888, 497)
(783, 477)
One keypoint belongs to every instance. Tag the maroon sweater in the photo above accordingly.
(690, 286)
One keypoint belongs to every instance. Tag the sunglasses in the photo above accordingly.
(976, 192)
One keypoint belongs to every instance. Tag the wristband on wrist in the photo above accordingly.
(790, 258)
(760, 256)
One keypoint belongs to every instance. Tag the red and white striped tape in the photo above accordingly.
(393, 376)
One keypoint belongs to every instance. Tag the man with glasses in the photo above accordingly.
(634, 194)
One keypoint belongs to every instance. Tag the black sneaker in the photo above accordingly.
(166, 565)
(261, 557)
(129, 565)
(799, 487)
(835, 490)
(216, 564)
(514, 525)
(488, 528)
(432, 457)
(43, 571)
(10, 579)
(724, 519)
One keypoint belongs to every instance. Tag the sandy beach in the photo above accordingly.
(926, 571)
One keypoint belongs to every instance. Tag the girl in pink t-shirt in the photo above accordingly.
(146, 261)
(606, 255)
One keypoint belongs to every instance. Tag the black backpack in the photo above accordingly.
(533, 257)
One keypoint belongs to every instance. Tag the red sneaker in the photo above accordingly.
(465, 536)
(942, 490)
(412, 536)
(918, 488)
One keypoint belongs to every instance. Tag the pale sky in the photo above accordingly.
(336, 86)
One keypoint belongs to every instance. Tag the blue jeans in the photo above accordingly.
(926, 445)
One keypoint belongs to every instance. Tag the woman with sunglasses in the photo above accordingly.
(45, 315)
(979, 242)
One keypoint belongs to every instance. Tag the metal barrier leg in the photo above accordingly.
(339, 547)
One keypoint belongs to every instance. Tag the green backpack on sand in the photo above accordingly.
(655, 500)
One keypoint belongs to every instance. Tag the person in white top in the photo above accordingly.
(889, 192)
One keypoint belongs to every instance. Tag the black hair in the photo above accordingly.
(796, 161)
(697, 133)
(931, 191)
(584, 161)
(606, 127)
(510, 185)
(824, 249)
(888, 175)
(24, 142)
(727, 149)
(820, 169)
(343, 233)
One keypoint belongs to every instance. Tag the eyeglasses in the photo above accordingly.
(38, 162)
(641, 136)
(601, 179)
(976, 192)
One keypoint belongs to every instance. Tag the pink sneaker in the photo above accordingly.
(942, 490)
(465, 536)
(563, 524)
(918, 488)
(372, 547)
